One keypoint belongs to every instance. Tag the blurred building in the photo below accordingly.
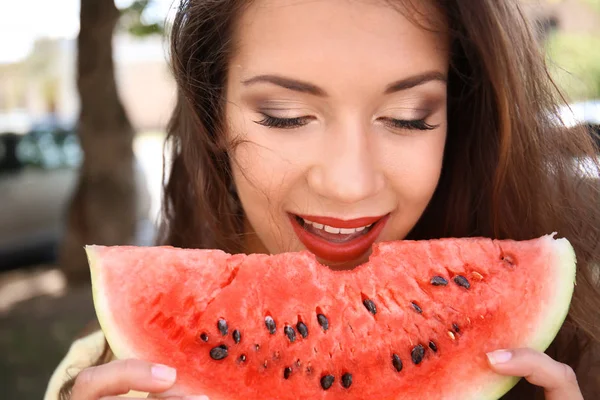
(568, 16)
(45, 83)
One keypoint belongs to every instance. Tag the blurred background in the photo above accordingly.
(91, 77)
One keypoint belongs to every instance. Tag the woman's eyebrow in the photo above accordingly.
(287, 83)
(416, 80)
(309, 88)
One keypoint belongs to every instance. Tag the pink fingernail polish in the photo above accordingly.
(163, 373)
(196, 398)
(499, 356)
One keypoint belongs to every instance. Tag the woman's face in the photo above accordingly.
(341, 107)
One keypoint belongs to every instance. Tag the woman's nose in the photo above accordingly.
(347, 170)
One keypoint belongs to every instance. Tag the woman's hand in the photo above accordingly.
(110, 380)
(558, 380)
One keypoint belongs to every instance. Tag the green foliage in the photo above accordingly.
(145, 29)
(574, 62)
(594, 3)
(133, 22)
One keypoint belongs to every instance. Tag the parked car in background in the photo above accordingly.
(38, 173)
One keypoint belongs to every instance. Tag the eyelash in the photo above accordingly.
(291, 123)
(415, 124)
(283, 123)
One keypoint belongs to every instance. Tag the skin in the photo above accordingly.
(352, 51)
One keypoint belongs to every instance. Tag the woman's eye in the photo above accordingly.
(415, 124)
(291, 123)
(284, 123)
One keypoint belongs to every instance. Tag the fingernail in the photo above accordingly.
(196, 398)
(499, 356)
(163, 373)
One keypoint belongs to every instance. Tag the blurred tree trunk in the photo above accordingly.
(102, 209)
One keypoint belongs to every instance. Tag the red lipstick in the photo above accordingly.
(344, 251)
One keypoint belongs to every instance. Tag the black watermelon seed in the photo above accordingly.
(270, 324)
(417, 354)
(347, 380)
(456, 328)
(290, 333)
(432, 346)
(243, 358)
(287, 372)
(204, 337)
(222, 325)
(370, 305)
(462, 281)
(237, 337)
(256, 347)
(508, 259)
(323, 321)
(219, 352)
(397, 362)
(417, 308)
(327, 381)
(439, 281)
(302, 328)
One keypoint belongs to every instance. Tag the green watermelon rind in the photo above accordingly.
(109, 327)
(548, 325)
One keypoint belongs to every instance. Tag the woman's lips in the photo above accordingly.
(337, 240)
(340, 223)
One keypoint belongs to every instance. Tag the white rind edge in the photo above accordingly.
(103, 313)
(564, 254)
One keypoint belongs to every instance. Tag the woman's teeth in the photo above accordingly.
(331, 229)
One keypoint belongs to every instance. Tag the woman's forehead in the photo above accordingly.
(319, 36)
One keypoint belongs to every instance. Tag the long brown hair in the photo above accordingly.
(510, 169)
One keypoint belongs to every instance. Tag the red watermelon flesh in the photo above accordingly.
(414, 322)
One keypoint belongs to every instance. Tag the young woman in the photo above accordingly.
(427, 119)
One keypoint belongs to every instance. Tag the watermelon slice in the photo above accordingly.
(414, 322)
